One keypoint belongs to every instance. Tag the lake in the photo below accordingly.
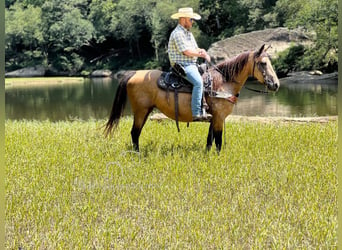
(93, 99)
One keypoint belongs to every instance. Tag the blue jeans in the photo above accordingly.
(195, 78)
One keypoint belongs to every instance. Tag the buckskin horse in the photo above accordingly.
(228, 78)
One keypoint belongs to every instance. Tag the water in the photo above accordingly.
(89, 100)
(292, 99)
(93, 100)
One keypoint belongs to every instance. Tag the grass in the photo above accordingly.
(273, 186)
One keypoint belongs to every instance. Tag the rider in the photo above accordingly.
(183, 49)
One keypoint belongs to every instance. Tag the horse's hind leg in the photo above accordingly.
(138, 123)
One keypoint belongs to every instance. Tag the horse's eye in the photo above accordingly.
(264, 65)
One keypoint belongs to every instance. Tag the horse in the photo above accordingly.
(227, 77)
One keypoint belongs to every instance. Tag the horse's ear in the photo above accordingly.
(257, 54)
(269, 46)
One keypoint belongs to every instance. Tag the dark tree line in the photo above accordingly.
(77, 36)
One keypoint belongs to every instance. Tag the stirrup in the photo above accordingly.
(202, 118)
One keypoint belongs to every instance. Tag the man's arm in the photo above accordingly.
(197, 53)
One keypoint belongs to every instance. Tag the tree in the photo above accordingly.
(65, 30)
(70, 35)
(222, 18)
(23, 36)
(160, 25)
(100, 15)
(258, 10)
(129, 22)
(319, 17)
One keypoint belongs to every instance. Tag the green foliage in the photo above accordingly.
(23, 36)
(68, 63)
(223, 18)
(100, 15)
(115, 33)
(290, 60)
(274, 185)
(129, 23)
(320, 17)
(23, 26)
(160, 25)
(298, 58)
(66, 29)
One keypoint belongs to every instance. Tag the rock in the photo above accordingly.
(316, 72)
(279, 39)
(305, 77)
(101, 73)
(27, 72)
(118, 75)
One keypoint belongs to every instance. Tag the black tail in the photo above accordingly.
(119, 103)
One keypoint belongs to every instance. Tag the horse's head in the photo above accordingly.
(263, 70)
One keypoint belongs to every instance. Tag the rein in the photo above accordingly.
(217, 69)
(257, 90)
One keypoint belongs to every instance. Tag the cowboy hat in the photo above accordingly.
(186, 12)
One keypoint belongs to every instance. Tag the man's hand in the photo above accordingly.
(204, 54)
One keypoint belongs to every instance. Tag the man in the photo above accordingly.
(183, 49)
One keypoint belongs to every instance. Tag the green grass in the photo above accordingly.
(273, 186)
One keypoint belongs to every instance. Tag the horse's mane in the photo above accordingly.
(234, 66)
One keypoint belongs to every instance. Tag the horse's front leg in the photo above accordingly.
(218, 140)
(210, 137)
(217, 128)
(215, 132)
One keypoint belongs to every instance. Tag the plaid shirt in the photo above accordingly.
(180, 40)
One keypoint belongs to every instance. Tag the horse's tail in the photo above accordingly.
(119, 103)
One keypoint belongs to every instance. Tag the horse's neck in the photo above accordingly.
(234, 86)
(241, 78)
(246, 72)
(234, 82)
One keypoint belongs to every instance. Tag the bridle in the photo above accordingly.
(264, 75)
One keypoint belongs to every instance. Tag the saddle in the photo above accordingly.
(175, 81)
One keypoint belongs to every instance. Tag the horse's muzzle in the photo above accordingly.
(271, 85)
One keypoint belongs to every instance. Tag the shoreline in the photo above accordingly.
(40, 81)
(158, 117)
(263, 119)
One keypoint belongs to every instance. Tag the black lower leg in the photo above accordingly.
(135, 133)
(218, 140)
(137, 128)
(210, 137)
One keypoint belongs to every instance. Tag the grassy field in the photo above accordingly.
(273, 186)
